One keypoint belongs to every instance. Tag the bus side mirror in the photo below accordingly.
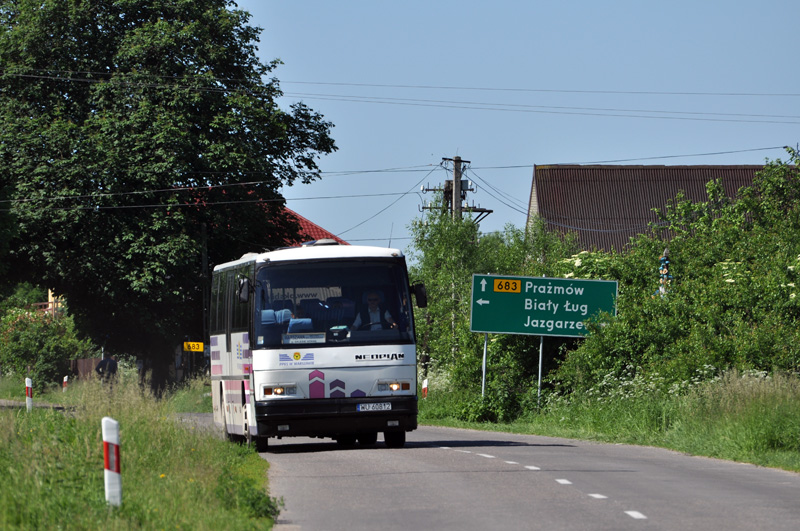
(421, 294)
(244, 289)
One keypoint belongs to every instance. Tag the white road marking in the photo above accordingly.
(633, 514)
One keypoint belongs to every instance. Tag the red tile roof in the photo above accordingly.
(310, 231)
(607, 205)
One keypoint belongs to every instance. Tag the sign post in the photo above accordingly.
(29, 394)
(193, 347)
(540, 306)
(111, 472)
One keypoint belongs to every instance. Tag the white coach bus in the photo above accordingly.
(314, 341)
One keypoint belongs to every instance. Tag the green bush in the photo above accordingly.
(39, 345)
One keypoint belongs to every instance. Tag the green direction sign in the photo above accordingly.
(540, 306)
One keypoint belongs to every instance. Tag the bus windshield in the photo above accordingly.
(331, 303)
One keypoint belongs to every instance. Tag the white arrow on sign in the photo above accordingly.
(483, 285)
(482, 302)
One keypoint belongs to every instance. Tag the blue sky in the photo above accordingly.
(509, 84)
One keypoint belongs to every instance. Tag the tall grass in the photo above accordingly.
(751, 417)
(174, 475)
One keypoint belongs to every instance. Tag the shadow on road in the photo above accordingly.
(302, 445)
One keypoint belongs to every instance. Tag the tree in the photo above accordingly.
(446, 253)
(733, 301)
(133, 136)
(39, 345)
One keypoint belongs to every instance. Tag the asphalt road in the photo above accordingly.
(462, 479)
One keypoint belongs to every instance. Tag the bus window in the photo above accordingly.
(328, 303)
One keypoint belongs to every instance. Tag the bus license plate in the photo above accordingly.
(379, 406)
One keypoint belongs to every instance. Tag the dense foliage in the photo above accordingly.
(732, 303)
(39, 345)
(136, 139)
(446, 252)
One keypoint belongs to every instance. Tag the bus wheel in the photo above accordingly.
(348, 439)
(262, 443)
(368, 438)
(394, 439)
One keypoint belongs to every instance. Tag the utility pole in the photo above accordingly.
(457, 187)
(454, 196)
(455, 193)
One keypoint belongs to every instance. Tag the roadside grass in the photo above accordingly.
(192, 397)
(174, 475)
(12, 388)
(746, 417)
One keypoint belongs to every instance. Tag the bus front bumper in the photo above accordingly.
(332, 417)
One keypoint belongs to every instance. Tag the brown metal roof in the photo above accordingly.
(607, 205)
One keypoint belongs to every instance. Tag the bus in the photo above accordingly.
(314, 341)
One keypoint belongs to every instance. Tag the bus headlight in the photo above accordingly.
(393, 386)
(280, 390)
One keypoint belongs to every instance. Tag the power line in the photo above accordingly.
(70, 75)
(388, 206)
(508, 197)
(207, 203)
(379, 239)
(543, 90)
(682, 156)
(504, 107)
(198, 188)
(603, 231)
(658, 157)
(551, 109)
(563, 113)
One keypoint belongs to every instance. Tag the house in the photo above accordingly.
(310, 231)
(607, 205)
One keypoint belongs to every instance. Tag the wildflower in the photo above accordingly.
(162, 476)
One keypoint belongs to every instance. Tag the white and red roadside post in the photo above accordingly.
(113, 479)
(28, 394)
(425, 388)
(64, 385)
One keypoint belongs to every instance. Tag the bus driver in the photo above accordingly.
(374, 316)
